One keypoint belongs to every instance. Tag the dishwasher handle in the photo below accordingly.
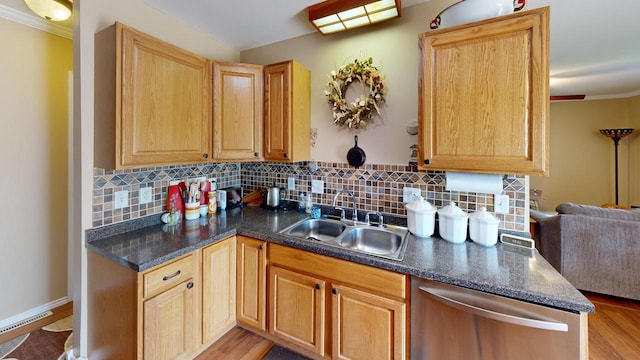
(494, 314)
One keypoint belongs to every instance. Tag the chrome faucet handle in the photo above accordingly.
(342, 215)
(380, 218)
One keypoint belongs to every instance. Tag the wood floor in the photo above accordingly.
(614, 333)
(614, 330)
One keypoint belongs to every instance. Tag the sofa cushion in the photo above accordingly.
(596, 211)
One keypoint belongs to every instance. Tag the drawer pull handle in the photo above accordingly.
(261, 247)
(169, 277)
(334, 290)
(190, 285)
(317, 286)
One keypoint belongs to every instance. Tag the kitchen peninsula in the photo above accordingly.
(142, 245)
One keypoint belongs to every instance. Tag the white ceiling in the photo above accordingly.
(595, 45)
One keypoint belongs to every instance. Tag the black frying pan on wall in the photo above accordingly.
(356, 155)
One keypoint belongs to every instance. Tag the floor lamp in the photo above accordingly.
(616, 135)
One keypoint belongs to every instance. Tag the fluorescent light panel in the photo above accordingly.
(337, 15)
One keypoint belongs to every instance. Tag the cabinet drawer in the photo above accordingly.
(160, 279)
(366, 277)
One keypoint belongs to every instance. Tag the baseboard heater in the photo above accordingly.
(26, 321)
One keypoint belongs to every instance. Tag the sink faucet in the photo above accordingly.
(353, 198)
(380, 218)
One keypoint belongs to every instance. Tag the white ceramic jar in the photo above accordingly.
(452, 224)
(483, 227)
(421, 217)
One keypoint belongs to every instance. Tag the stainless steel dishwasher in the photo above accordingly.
(454, 323)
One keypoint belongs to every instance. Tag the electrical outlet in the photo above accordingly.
(145, 195)
(121, 199)
(291, 183)
(501, 204)
(317, 186)
(410, 194)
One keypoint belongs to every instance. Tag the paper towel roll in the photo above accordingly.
(478, 183)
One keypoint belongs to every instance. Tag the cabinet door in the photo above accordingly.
(170, 328)
(296, 310)
(484, 96)
(237, 111)
(367, 326)
(153, 101)
(218, 289)
(251, 282)
(287, 119)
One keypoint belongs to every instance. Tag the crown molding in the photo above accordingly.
(613, 96)
(35, 22)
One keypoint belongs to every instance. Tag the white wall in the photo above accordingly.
(394, 48)
(89, 18)
(33, 144)
(582, 167)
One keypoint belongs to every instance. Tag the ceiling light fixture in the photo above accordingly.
(54, 10)
(337, 15)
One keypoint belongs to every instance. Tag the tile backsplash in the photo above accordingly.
(376, 187)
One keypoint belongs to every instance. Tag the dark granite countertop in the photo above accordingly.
(505, 270)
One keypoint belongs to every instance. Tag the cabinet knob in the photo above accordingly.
(205, 155)
(256, 154)
(334, 291)
(285, 155)
(261, 247)
(189, 285)
(426, 162)
(317, 286)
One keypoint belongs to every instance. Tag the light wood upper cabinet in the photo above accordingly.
(218, 289)
(237, 111)
(152, 101)
(251, 282)
(287, 112)
(484, 96)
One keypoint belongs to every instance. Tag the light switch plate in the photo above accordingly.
(501, 204)
(410, 194)
(291, 183)
(121, 199)
(317, 186)
(145, 195)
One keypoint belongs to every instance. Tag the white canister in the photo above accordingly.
(452, 223)
(483, 227)
(421, 217)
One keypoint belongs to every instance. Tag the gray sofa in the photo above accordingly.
(596, 249)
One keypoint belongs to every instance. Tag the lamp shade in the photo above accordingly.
(338, 15)
(54, 10)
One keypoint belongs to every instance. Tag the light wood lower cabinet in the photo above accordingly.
(367, 326)
(251, 282)
(218, 289)
(362, 310)
(172, 311)
(170, 327)
(297, 308)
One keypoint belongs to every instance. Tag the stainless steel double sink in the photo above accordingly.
(388, 242)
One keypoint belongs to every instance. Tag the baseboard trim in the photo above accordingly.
(33, 312)
(71, 356)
